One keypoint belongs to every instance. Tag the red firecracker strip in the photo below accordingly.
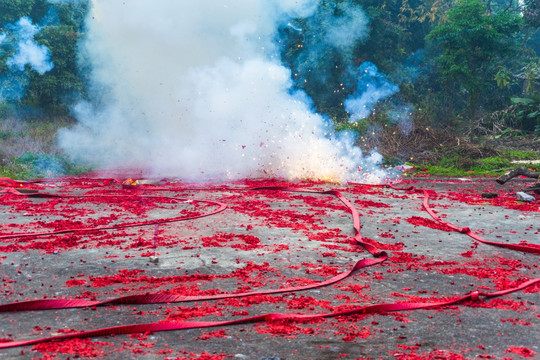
(220, 208)
(528, 248)
(152, 298)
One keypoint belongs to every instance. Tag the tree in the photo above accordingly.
(60, 27)
(470, 43)
(328, 71)
(531, 13)
(12, 10)
(62, 84)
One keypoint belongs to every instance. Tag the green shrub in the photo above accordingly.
(32, 166)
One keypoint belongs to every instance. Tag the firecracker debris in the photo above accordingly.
(269, 239)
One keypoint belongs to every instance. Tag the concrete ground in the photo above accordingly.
(267, 240)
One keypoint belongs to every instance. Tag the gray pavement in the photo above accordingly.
(267, 240)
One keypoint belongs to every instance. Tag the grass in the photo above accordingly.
(14, 172)
(459, 165)
(521, 155)
(37, 166)
(28, 149)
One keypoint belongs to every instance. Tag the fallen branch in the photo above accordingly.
(523, 172)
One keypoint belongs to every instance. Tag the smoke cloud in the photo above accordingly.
(401, 115)
(28, 51)
(371, 88)
(197, 90)
(333, 31)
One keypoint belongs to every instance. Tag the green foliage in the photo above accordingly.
(60, 85)
(398, 40)
(475, 51)
(4, 109)
(460, 165)
(328, 73)
(531, 12)
(358, 127)
(432, 11)
(13, 10)
(60, 29)
(493, 163)
(520, 155)
(463, 166)
(35, 166)
(503, 78)
(15, 171)
(531, 74)
(470, 43)
(28, 148)
(479, 64)
(40, 164)
(528, 112)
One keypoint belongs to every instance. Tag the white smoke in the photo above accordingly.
(371, 88)
(401, 115)
(28, 51)
(344, 31)
(331, 28)
(196, 90)
(20, 37)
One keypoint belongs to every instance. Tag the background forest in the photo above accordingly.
(452, 72)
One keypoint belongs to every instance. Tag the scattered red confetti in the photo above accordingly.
(521, 351)
(212, 334)
(79, 347)
(420, 221)
(497, 272)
